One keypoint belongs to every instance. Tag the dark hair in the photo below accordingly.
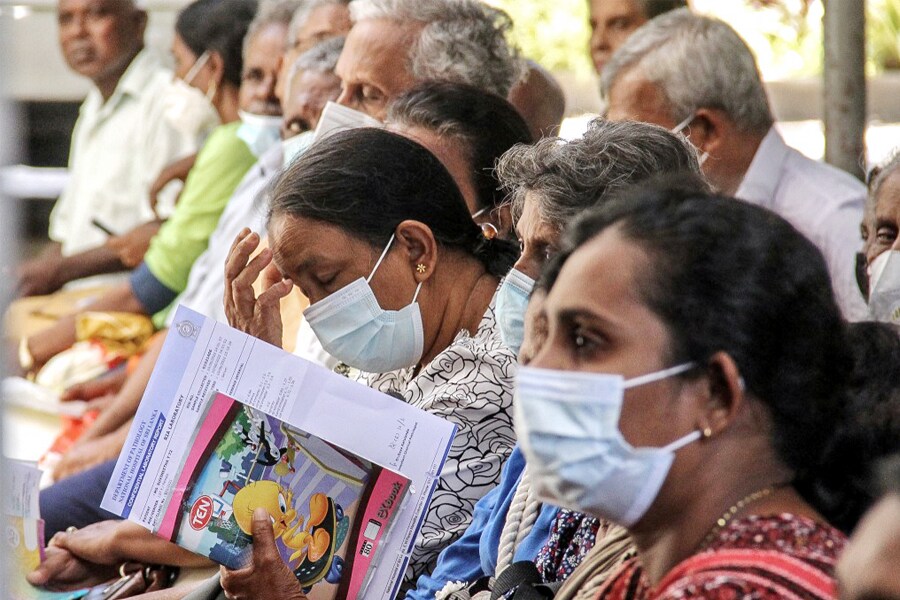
(218, 26)
(367, 181)
(485, 123)
(869, 430)
(889, 474)
(654, 8)
(724, 275)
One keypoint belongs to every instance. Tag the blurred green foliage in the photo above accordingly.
(553, 32)
(786, 35)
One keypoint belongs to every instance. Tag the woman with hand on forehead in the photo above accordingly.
(695, 365)
(401, 282)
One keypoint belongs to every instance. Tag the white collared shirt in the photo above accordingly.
(119, 147)
(824, 203)
(247, 207)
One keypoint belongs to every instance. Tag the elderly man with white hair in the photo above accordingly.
(395, 44)
(694, 74)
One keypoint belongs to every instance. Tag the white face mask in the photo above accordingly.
(678, 129)
(567, 424)
(337, 117)
(296, 146)
(184, 104)
(884, 287)
(353, 328)
(259, 132)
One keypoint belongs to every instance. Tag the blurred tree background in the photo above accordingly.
(786, 35)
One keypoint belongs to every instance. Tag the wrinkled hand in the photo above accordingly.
(132, 246)
(39, 276)
(257, 316)
(96, 543)
(63, 571)
(267, 576)
(83, 456)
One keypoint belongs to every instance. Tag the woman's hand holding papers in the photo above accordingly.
(63, 571)
(257, 316)
(267, 576)
(91, 555)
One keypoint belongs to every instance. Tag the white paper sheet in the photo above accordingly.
(201, 356)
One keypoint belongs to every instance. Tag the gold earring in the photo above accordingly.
(706, 433)
(421, 268)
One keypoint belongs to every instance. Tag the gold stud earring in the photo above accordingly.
(706, 433)
(421, 268)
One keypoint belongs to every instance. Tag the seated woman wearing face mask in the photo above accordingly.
(695, 364)
(548, 184)
(401, 281)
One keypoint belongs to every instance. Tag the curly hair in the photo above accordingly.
(567, 177)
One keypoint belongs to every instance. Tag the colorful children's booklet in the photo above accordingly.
(329, 508)
(229, 423)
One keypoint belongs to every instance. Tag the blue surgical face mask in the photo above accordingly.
(259, 132)
(512, 300)
(296, 146)
(353, 328)
(567, 424)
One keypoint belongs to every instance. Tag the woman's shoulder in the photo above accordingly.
(477, 357)
(795, 535)
(475, 368)
(224, 142)
(772, 556)
(763, 557)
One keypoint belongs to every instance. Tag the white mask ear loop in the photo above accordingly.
(677, 129)
(681, 443)
(380, 259)
(198, 64)
(651, 377)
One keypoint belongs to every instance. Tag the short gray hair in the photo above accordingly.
(321, 58)
(879, 174)
(567, 177)
(302, 14)
(696, 62)
(271, 12)
(463, 41)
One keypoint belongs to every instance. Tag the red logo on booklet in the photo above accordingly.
(201, 512)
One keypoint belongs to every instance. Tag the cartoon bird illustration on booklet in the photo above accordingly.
(328, 508)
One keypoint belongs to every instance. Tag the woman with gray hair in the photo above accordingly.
(550, 183)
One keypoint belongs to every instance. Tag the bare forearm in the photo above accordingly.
(53, 340)
(133, 542)
(96, 261)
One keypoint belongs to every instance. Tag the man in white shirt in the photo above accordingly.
(135, 121)
(694, 74)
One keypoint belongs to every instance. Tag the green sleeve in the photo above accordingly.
(221, 165)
